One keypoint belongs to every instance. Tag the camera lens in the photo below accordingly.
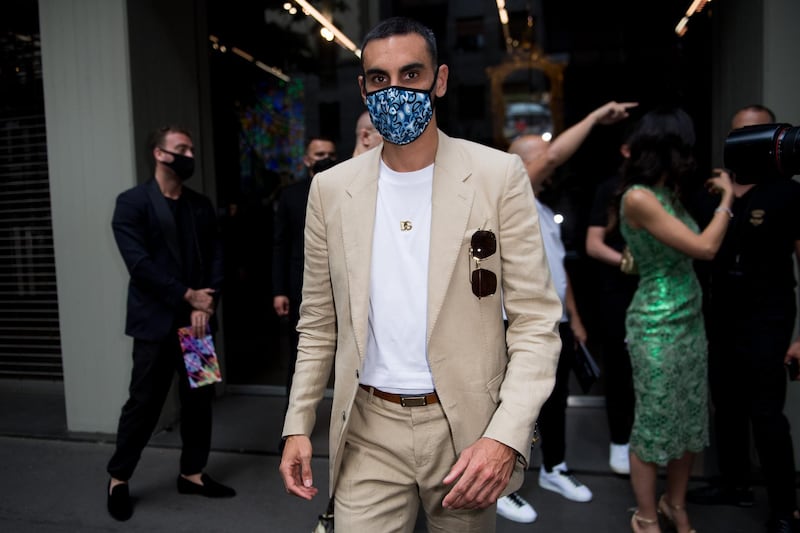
(763, 152)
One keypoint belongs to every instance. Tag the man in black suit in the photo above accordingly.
(287, 251)
(167, 235)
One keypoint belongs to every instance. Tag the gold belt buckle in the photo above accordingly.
(413, 401)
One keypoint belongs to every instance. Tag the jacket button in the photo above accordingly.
(344, 416)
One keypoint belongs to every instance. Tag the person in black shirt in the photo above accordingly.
(168, 237)
(750, 321)
(604, 242)
(287, 242)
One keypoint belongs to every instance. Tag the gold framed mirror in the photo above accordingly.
(527, 92)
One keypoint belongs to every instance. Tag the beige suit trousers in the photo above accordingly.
(395, 458)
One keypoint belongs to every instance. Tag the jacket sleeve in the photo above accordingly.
(533, 309)
(130, 225)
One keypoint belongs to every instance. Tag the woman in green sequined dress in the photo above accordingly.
(664, 325)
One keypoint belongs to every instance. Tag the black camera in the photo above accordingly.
(763, 152)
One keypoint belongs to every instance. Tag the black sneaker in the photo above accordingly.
(721, 495)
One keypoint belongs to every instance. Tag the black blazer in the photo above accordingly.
(287, 243)
(146, 234)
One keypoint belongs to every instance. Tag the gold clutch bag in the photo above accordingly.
(628, 264)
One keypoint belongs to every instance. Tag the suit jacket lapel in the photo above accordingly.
(450, 210)
(165, 219)
(358, 221)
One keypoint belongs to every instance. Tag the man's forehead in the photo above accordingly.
(750, 117)
(321, 146)
(396, 51)
(176, 138)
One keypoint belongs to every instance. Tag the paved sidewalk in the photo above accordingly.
(53, 481)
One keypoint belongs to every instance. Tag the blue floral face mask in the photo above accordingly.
(401, 114)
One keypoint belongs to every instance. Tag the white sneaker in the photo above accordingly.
(619, 459)
(514, 508)
(561, 481)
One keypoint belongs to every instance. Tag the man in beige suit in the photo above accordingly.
(410, 253)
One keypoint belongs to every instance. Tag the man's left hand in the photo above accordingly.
(484, 470)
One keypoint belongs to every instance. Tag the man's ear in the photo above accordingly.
(157, 150)
(362, 89)
(441, 81)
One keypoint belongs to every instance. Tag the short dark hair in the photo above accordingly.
(312, 138)
(402, 26)
(156, 137)
(758, 108)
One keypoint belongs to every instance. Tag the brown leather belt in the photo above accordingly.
(411, 400)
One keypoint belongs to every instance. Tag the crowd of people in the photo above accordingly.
(442, 374)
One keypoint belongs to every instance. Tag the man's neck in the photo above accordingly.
(415, 155)
(169, 184)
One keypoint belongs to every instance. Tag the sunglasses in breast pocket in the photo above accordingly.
(483, 244)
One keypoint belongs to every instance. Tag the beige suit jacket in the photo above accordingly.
(490, 384)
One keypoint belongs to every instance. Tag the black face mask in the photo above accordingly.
(181, 165)
(322, 164)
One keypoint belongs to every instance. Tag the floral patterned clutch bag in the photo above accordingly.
(200, 358)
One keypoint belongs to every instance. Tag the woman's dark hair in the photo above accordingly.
(661, 148)
(661, 145)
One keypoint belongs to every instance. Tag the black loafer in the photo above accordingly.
(209, 488)
(119, 502)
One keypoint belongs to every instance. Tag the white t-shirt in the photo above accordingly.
(554, 248)
(396, 359)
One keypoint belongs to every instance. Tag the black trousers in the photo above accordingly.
(617, 372)
(748, 384)
(553, 416)
(154, 364)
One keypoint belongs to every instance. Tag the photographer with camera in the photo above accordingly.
(751, 310)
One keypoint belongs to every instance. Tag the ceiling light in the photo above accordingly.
(340, 37)
(326, 34)
(216, 45)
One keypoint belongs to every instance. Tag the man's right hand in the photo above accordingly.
(200, 299)
(281, 305)
(295, 467)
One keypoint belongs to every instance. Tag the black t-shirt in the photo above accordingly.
(753, 270)
(605, 214)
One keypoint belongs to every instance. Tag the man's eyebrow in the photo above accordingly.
(412, 66)
(375, 71)
(404, 68)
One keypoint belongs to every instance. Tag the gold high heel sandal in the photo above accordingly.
(637, 520)
(667, 509)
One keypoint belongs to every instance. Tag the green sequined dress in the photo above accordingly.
(667, 344)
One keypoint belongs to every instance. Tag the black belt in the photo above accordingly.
(410, 400)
